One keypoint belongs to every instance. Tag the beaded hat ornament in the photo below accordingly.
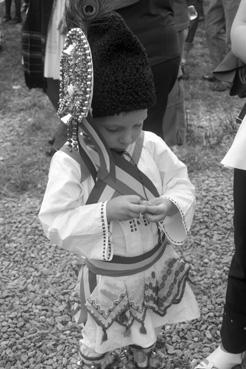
(76, 85)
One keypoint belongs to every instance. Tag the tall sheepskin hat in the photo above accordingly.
(104, 72)
(123, 79)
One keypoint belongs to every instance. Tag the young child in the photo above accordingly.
(118, 197)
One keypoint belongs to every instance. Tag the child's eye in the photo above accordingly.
(112, 130)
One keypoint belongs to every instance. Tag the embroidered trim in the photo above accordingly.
(163, 228)
(159, 294)
(173, 283)
(107, 253)
(110, 247)
(133, 225)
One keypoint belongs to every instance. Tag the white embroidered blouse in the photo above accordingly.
(84, 230)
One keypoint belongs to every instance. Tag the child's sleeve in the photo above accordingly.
(66, 220)
(176, 187)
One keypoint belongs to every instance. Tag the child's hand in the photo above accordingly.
(158, 208)
(124, 207)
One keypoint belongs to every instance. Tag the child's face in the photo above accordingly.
(119, 131)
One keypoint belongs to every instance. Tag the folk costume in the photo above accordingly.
(132, 282)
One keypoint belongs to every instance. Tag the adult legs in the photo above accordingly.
(165, 75)
(7, 10)
(215, 26)
(233, 330)
(18, 10)
(174, 121)
(230, 9)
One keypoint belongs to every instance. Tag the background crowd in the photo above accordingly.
(169, 55)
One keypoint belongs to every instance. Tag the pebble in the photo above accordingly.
(40, 308)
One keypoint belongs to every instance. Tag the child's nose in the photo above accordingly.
(127, 138)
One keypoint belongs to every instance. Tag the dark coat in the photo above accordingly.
(34, 33)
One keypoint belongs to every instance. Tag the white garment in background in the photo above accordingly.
(236, 156)
(54, 43)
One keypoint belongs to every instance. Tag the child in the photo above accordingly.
(117, 196)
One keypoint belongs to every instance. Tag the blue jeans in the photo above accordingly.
(219, 15)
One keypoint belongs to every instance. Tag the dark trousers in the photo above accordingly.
(233, 330)
(165, 75)
(52, 91)
(17, 9)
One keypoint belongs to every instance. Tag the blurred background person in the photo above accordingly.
(195, 13)
(17, 16)
(25, 5)
(174, 119)
(219, 15)
(42, 43)
(1, 24)
(152, 21)
(34, 36)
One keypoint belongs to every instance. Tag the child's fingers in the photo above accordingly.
(137, 210)
(157, 209)
(153, 218)
(135, 199)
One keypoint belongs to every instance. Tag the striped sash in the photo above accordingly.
(116, 175)
(122, 266)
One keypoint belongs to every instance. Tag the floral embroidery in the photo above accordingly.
(115, 305)
(159, 296)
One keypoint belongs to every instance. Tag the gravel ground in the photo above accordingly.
(36, 278)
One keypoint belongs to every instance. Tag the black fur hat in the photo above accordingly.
(123, 79)
(106, 70)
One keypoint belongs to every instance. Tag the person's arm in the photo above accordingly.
(177, 198)
(66, 220)
(238, 32)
